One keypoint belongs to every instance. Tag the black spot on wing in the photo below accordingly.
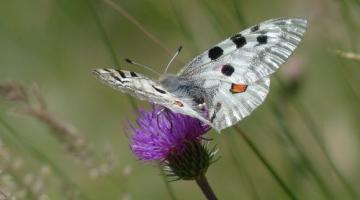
(118, 79)
(217, 108)
(215, 53)
(122, 74)
(213, 118)
(227, 70)
(133, 74)
(159, 90)
(255, 28)
(262, 39)
(238, 40)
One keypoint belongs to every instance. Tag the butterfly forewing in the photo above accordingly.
(134, 84)
(147, 89)
(249, 55)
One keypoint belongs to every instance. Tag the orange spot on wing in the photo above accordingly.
(178, 103)
(238, 88)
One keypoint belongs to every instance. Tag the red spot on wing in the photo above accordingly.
(178, 103)
(238, 88)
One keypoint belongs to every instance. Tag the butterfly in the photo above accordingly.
(225, 83)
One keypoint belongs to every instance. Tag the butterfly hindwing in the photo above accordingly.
(249, 55)
(233, 102)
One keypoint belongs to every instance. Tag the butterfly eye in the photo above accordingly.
(199, 100)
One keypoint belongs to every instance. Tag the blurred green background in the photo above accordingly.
(308, 128)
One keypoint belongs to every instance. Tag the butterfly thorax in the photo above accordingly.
(185, 88)
(170, 81)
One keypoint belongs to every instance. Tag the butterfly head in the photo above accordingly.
(170, 81)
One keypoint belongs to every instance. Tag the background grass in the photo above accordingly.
(308, 129)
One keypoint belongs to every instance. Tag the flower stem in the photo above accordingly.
(205, 187)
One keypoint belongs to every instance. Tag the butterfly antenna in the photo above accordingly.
(172, 59)
(141, 65)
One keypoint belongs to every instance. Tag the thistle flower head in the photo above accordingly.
(162, 132)
(173, 139)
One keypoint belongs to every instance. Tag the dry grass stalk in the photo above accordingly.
(17, 180)
(32, 103)
(348, 55)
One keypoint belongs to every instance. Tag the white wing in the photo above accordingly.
(147, 89)
(235, 72)
(228, 105)
(249, 55)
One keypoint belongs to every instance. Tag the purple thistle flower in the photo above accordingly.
(175, 140)
(162, 133)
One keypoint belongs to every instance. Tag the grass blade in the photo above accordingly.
(125, 14)
(237, 163)
(263, 160)
(286, 130)
(316, 134)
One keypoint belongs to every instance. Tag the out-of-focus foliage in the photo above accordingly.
(65, 138)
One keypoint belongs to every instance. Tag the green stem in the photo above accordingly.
(215, 19)
(316, 134)
(239, 14)
(183, 27)
(237, 162)
(351, 25)
(103, 34)
(135, 22)
(278, 179)
(107, 43)
(305, 116)
(305, 160)
(205, 187)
